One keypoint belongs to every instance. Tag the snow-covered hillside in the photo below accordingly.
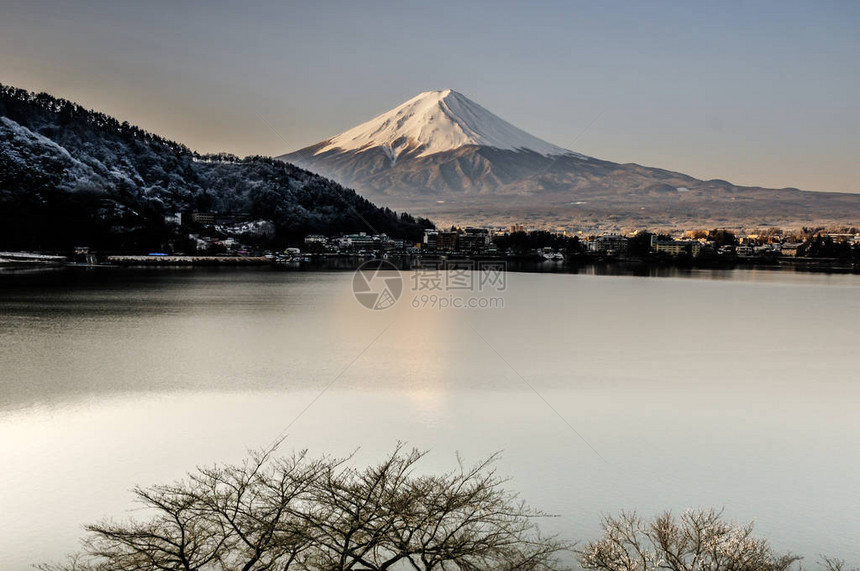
(70, 176)
(435, 122)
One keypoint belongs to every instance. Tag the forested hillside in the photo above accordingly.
(71, 176)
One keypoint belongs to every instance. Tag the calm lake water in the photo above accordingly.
(727, 389)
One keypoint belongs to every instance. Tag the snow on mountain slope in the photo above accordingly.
(435, 122)
(448, 158)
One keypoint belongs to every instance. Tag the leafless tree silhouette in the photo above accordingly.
(698, 540)
(283, 513)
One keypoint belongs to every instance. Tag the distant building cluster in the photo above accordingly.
(361, 243)
(498, 242)
(696, 243)
(460, 240)
(518, 240)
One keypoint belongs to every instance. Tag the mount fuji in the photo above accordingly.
(443, 155)
(437, 122)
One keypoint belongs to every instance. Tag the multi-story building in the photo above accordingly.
(676, 247)
(204, 218)
(360, 241)
(609, 244)
(442, 241)
(447, 241)
(174, 219)
(474, 240)
(431, 240)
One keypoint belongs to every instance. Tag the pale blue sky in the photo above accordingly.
(753, 92)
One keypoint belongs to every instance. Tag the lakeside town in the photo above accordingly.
(219, 239)
(519, 241)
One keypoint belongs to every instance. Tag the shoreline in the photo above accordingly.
(16, 262)
(124, 260)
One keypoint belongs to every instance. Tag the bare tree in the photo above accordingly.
(699, 540)
(270, 513)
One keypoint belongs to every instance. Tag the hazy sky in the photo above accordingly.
(753, 92)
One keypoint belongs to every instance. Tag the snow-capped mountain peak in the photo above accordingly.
(434, 122)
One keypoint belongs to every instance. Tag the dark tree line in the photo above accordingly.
(825, 247)
(524, 242)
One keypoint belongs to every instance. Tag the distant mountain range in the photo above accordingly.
(70, 176)
(443, 155)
